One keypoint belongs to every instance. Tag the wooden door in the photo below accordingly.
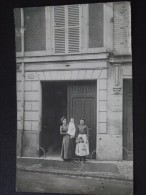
(127, 120)
(82, 103)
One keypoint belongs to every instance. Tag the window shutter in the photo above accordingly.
(66, 29)
(73, 29)
(59, 29)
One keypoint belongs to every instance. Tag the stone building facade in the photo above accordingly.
(75, 60)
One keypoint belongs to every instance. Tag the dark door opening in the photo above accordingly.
(54, 106)
(127, 120)
(75, 99)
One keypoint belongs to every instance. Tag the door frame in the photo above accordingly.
(96, 108)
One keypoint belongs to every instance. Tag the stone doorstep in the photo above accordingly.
(102, 175)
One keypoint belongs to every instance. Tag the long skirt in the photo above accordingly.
(82, 148)
(67, 147)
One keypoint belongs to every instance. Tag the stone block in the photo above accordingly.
(18, 115)
(67, 75)
(102, 106)
(19, 94)
(27, 86)
(102, 95)
(88, 74)
(28, 106)
(31, 144)
(32, 116)
(103, 74)
(19, 76)
(61, 75)
(109, 147)
(35, 126)
(127, 70)
(18, 143)
(114, 123)
(47, 75)
(74, 74)
(54, 75)
(31, 76)
(27, 125)
(18, 106)
(29, 96)
(19, 125)
(19, 86)
(35, 106)
(81, 74)
(103, 84)
(96, 74)
(40, 76)
(35, 85)
(102, 128)
(102, 116)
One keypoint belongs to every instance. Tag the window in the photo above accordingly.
(17, 17)
(95, 25)
(66, 29)
(35, 29)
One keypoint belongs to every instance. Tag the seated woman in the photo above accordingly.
(67, 146)
(82, 144)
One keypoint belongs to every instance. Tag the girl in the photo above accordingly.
(82, 144)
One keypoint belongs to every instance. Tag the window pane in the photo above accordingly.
(95, 25)
(17, 17)
(35, 33)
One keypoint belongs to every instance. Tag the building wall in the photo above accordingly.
(122, 28)
(111, 141)
(32, 94)
(109, 69)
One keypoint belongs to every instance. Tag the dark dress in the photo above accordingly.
(67, 143)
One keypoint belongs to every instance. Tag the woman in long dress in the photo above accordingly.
(67, 145)
(82, 143)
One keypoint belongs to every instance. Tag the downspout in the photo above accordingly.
(22, 80)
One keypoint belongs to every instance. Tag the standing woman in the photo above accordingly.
(82, 143)
(66, 151)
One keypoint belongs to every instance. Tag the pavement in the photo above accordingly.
(119, 170)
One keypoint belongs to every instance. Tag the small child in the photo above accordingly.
(71, 128)
(82, 149)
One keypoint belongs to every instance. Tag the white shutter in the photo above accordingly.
(73, 29)
(66, 29)
(59, 29)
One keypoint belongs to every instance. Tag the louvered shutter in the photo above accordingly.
(59, 29)
(73, 29)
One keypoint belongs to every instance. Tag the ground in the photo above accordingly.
(28, 181)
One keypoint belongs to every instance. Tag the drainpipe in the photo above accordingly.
(22, 80)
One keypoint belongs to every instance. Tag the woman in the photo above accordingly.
(82, 144)
(66, 151)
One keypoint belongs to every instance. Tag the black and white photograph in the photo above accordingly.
(74, 99)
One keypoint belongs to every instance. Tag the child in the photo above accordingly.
(82, 144)
(71, 128)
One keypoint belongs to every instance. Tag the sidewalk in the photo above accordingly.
(119, 170)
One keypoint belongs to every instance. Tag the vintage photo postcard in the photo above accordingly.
(74, 99)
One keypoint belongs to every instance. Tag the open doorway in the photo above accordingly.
(54, 106)
(75, 99)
